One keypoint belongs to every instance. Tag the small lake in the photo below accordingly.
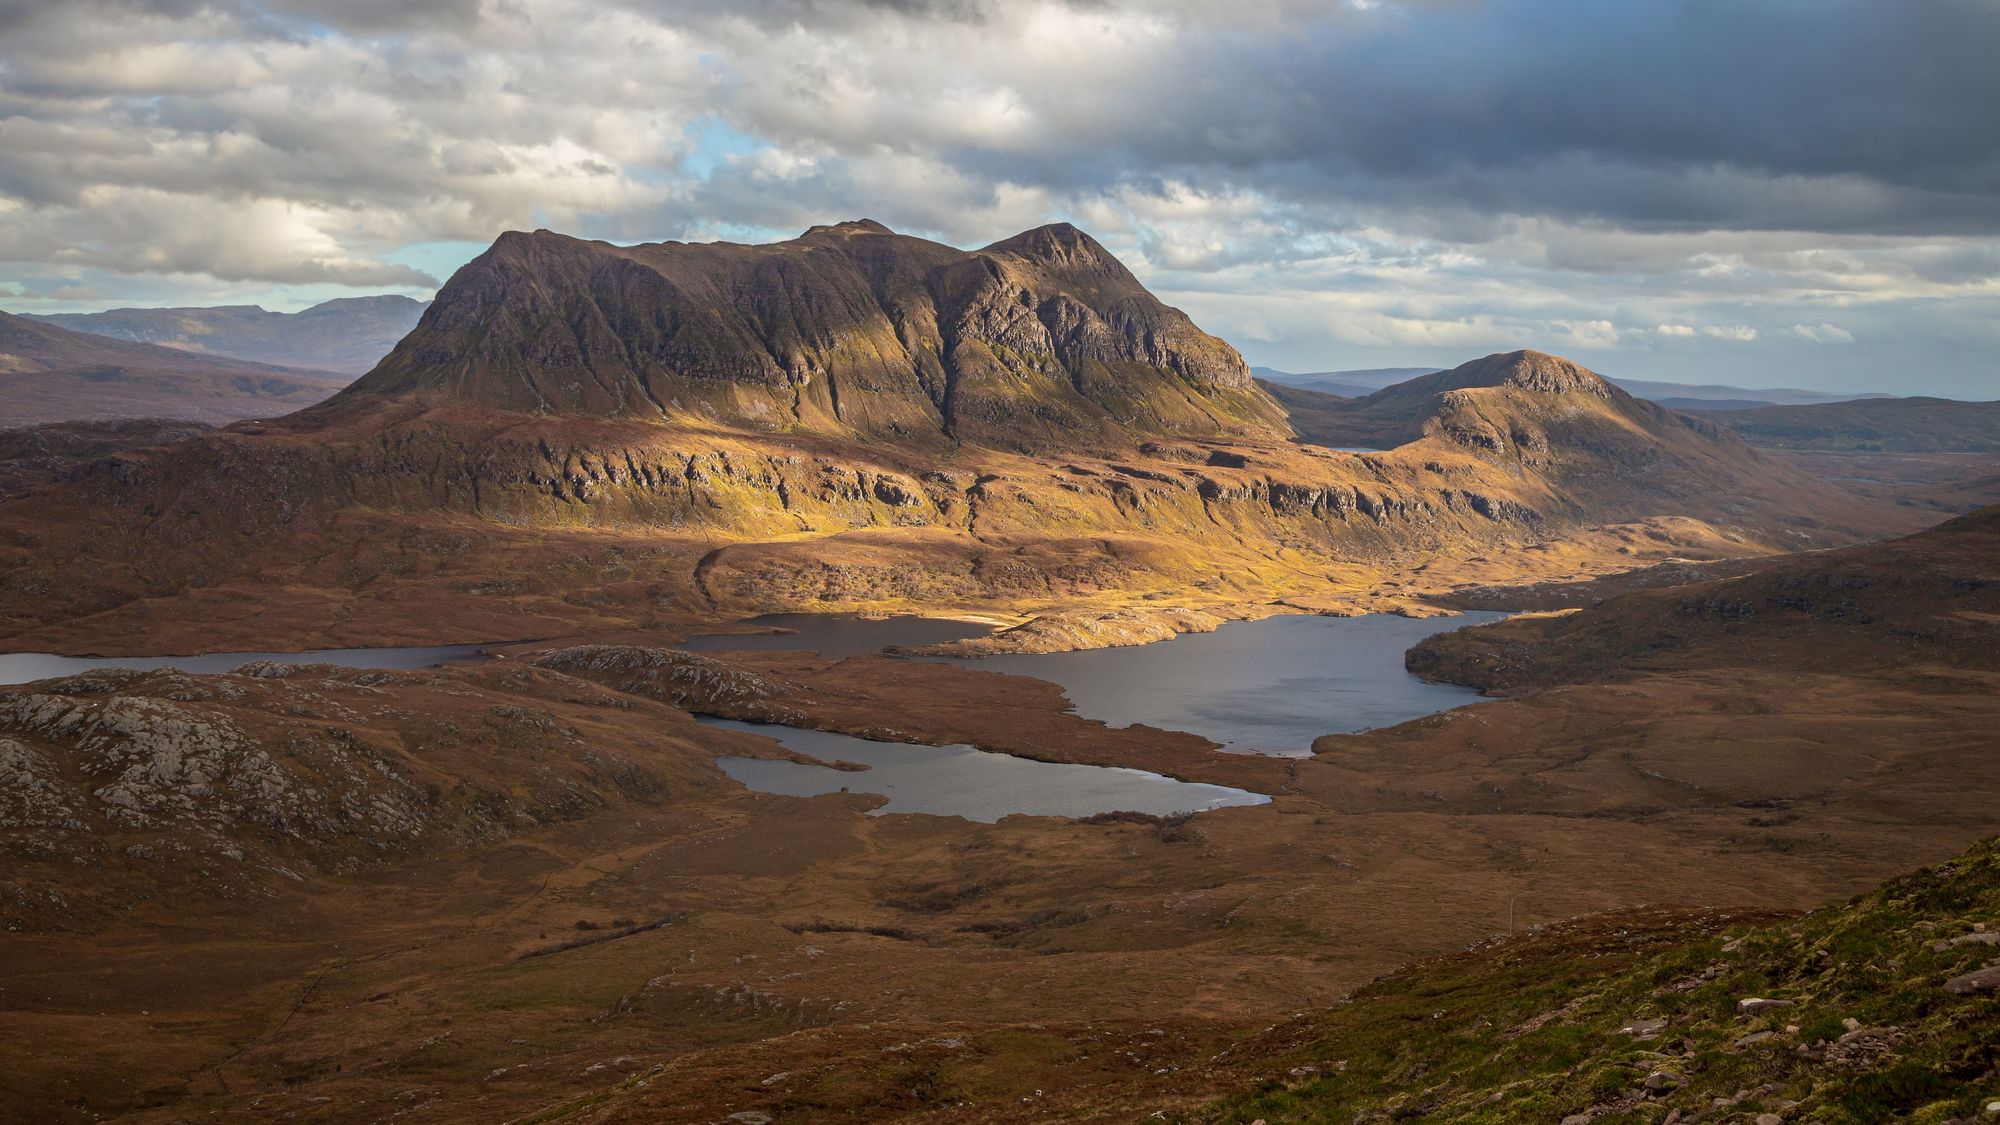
(1269, 686)
(26, 667)
(964, 781)
(836, 636)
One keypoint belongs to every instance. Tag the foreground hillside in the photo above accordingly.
(346, 335)
(34, 455)
(1878, 1009)
(51, 374)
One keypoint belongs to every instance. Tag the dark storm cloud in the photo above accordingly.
(1838, 115)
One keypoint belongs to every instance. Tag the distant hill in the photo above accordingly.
(347, 335)
(1932, 597)
(1316, 416)
(1895, 425)
(1674, 396)
(1346, 384)
(51, 374)
(1715, 396)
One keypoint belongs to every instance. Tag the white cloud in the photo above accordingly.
(1823, 333)
(1319, 180)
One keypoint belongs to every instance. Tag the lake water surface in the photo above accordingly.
(1269, 686)
(963, 781)
(26, 667)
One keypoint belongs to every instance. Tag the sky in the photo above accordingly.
(1757, 192)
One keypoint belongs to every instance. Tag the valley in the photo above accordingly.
(1117, 636)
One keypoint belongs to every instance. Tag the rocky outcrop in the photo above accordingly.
(147, 780)
(35, 455)
(686, 680)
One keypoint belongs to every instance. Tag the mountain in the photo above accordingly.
(1042, 340)
(50, 374)
(1314, 415)
(346, 335)
(1896, 425)
(1579, 433)
(1712, 396)
(1347, 384)
(856, 420)
(1674, 396)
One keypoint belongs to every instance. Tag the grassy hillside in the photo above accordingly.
(1885, 1011)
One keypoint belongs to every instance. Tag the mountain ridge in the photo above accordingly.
(858, 420)
(53, 374)
(1042, 339)
(344, 335)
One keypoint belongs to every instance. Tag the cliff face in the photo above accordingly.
(1040, 341)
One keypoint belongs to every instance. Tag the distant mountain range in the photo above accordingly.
(347, 335)
(1675, 396)
(51, 374)
(1875, 425)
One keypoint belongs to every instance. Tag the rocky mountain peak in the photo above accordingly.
(1526, 370)
(1058, 244)
(1039, 341)
(848, 229)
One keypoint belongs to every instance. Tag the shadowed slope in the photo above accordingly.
(1931, 598)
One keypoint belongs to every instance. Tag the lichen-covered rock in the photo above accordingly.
(145, 780)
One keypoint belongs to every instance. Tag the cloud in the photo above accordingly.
(1742, 333)
(1656, 182)
(1823, 333)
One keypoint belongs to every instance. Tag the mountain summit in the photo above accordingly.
(851, 330)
